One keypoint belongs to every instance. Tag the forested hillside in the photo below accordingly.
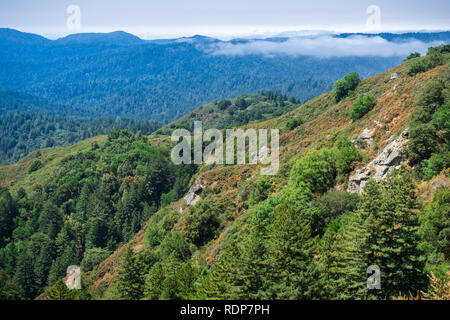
(115, 204)
(236, 112)
(23, 133)
(299, 234)
(85, 205)
(118, 74)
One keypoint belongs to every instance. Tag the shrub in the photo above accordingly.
(431, 61)
(346, 154)
(35, 165)
(316, 170)
(93, 257)
(435, 224)
(429, 123)
(241, 104)
(223, 104)
(421, 141)
(362, 106)
(435, 164)
(343, 87)
(329, 207)
(202, 222)
(259, 193)
(413, 55)
(444, 48)
(294, 123)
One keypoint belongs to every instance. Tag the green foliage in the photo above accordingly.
(260, 192)
(95, 200)
(132, 273)
(8, 211)
(442, 49)
(171, 279)
(24, 276)
(435, 57)
(346, 154)
(362, 106)
(290, 254)
(61, 292)
(35, 166)
(223, 104)
(436, 163)
(384, 233)
(291, 124)
(236, 112)
(413, 55)
(93, 257)
(316, 170)
(331, 206)
(202, 223)
(429, 127)
(22, 133)
(343, 87)
(435, 225)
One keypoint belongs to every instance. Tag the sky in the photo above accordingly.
(152, 19)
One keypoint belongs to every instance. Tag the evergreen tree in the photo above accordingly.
(131, 276)
(59, 291)
(290, 254)
(24, 276)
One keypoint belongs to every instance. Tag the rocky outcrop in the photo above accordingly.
(365, 139)
(193, 195)
(392, 156)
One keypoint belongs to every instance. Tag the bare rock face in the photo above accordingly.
(365, 139)
(193, 195)
(394, 76)
(392, 156)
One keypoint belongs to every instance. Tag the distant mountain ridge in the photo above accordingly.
(120, 75)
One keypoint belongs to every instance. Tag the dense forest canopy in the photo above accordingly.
(23, 133)
(120, 75)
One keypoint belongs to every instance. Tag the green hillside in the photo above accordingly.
(115, 204)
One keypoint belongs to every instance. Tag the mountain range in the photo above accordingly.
(120, 75)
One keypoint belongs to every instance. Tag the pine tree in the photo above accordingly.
(60, 292)
(131, 276)
(290, 254)
(24, 276)
(394, 238)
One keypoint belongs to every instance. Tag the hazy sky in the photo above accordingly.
(224, 18)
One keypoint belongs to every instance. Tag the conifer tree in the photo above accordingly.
(290, 254)
(131, 276)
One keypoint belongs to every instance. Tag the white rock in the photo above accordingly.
(392, 156)
(193, 195)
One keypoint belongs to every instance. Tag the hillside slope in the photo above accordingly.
(240, 197)
(294, 235)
